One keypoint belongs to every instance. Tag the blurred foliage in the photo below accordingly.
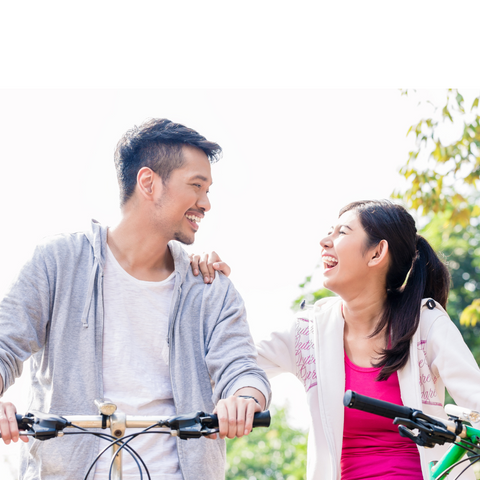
(277, 453)
(308, 295)
(461, 250)
(443, 178)
(442, 185)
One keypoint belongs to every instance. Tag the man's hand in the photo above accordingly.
(8, 424)
(207, 264)
(235, 414)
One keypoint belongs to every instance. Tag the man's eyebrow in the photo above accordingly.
(200, 177)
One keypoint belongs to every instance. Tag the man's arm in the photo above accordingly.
(231, 361)
(24, 312)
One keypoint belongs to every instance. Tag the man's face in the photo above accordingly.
(183, 201)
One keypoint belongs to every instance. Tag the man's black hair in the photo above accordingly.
(156, 144)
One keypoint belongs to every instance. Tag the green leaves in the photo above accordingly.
(277, 453)
(471, 315)
(451, 177)
(443, 180)
(460, 247)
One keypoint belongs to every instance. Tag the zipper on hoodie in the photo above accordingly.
(169, 338)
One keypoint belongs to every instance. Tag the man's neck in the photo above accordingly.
(140, 252)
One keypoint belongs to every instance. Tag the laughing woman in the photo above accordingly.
(386, 335)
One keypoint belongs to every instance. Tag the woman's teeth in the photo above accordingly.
(330, 261)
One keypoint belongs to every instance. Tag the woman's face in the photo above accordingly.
(344, 255)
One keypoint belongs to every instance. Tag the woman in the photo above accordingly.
(380, 337)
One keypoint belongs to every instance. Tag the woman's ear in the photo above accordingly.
(379, 254)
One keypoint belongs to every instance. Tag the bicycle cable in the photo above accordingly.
(136, 457)
(448, 470)
(125, 444)
(468, 466)
(128, 447)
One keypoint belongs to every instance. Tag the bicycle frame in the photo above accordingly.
(453, 455)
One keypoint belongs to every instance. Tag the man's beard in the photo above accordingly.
(180, 237)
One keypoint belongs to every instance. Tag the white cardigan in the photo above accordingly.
(312, 349)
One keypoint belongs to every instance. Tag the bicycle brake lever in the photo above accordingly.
(46, 426)
(430, 434)
(188, 426)
(405, 422)
(407, 433)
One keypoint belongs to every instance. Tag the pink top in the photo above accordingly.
(372, 447)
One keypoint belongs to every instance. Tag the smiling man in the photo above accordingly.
(117, 313)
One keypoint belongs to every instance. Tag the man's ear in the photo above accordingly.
(379, 254)
(146, 182)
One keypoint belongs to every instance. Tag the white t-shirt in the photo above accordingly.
(136, 374)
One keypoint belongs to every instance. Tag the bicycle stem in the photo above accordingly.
(118, 425)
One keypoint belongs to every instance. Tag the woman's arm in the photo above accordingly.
(276, 354)
(451, 359)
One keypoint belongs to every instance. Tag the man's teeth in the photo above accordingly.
(330, 261)
(193, 218)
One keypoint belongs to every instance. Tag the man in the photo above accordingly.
(117, 313)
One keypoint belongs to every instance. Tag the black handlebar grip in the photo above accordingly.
(260, 419)
(377, 407)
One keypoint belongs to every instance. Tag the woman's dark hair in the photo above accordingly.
(415, 272)
(156, 144)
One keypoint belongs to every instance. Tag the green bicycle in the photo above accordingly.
(428, 431)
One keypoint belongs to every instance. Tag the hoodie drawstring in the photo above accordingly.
(88, 302)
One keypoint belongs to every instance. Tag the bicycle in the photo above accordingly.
(428, 431)
(44, 426)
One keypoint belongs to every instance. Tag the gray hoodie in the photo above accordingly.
(53, 313)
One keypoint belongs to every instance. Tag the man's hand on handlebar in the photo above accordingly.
(8, 424)
(207, 264)
(235, 414)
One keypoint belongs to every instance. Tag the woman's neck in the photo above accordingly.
(361, 320)
(362, 315)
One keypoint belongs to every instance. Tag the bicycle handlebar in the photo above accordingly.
(45, 426)
(424, 430)
(377, 407)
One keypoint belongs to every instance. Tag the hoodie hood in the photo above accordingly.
(97, 237)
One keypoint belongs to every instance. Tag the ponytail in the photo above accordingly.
(428, 278)
(437, 276)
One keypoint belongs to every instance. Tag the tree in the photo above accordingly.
(461, 251)
(443, 175)
(279, 453)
